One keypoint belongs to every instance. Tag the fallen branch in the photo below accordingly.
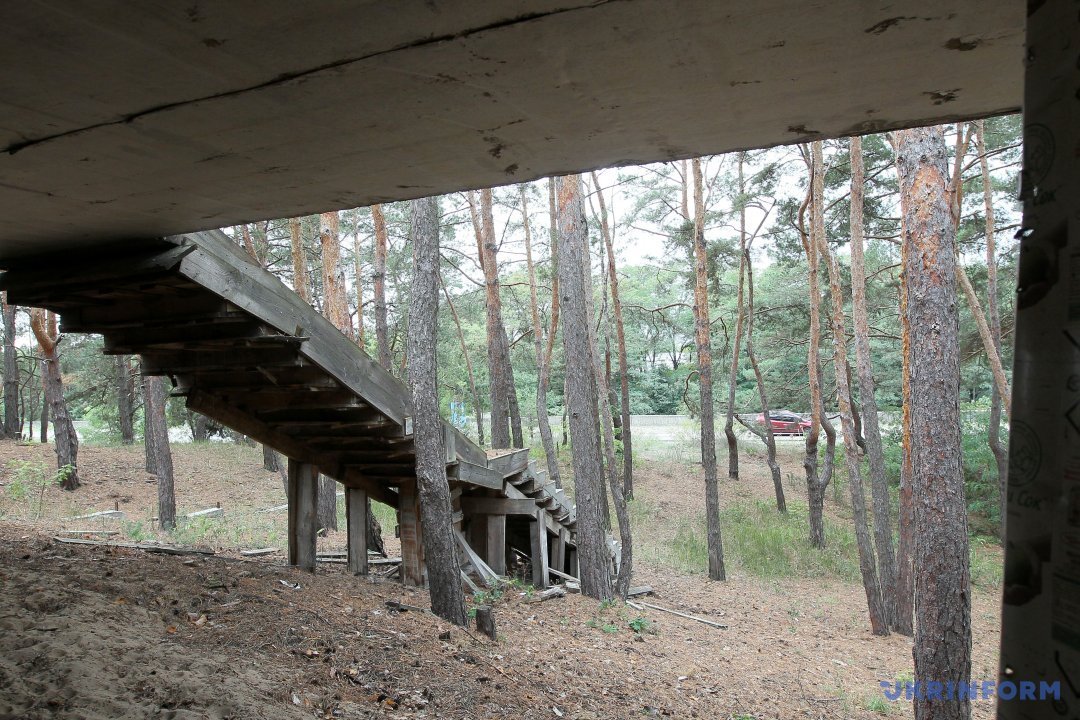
(640, 605)
(146, 547)
(557, 591)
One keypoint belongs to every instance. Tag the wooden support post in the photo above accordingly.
(495, 543)
(558, 553)
(410, 532)
(477, 535)
(356, 518)
(571, 561)
(303, 487)
(539, 552)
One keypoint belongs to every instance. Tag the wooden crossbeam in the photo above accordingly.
(178, 362)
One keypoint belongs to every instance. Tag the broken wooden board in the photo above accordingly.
(145, 547)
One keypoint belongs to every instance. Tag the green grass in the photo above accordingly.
(757, 540)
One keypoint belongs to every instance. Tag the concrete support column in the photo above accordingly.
(356, 518)
(411, 534)
(303, 491)
(495, 544)
(539, 552)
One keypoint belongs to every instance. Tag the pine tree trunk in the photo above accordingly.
(769, 437)
(45, 330)
(504, 423)
(816, 484)
(879, 482)
(326, 510)
(581, 399)
(11, 371)
(1001, 456)
(729, 431)
(271, 461)
(335, 304)
(43, 424)
(436, 513)
(703, 342)
(359, 280)
(942, 581)
(382, 330)
(544, 381)
(125, 399)
(299, 259)
(620, 337)
(158, 451)
(905, 552)
(879, 621)
(546, 438)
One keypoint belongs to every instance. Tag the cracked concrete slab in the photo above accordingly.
(134, 120)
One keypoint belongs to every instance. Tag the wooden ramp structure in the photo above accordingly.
(244, 349)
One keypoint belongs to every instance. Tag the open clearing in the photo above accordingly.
(91, 632)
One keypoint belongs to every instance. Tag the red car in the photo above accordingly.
(785, 422)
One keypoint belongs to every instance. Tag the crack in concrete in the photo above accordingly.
(284, 78)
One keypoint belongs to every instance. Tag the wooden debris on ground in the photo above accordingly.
(103, 514)
(258, 552)
(642, 605)
(100, 533)
(146, 547)
(554, 592)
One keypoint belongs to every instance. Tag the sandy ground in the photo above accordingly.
(91, 632)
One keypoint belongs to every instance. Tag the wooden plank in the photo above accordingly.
(539, 551)
(351, 478)
(180, 307)
(491, 579)
(682, 615)
(356, 518)
(303, 479)
(495, 545)
(304, 378)
(230, 416)
(509, 463)
(257, 291)
(411, 534)
(558, 551)
(146, 547)
(467, 472)
(175, 362)
(497, 506)
(271, 399)
(346, 412)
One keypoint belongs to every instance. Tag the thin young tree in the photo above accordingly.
(581, 397)
(382, 329)
(44, 326)
(879, 621)
(941, 554)
(816, 481)
(620, 337)
(729, 430)
(875, 454)
(542, 421)
(468, 363)
(1001, 455)
(703, 340)
(358, 279)
(766, 433)
(436, 513)
(544, 380)
(159, 460)
(11, 370)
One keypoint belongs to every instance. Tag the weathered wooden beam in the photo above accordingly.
(177, 362)
(411, 534)
(375, 491)
(539, 557)
(356, 519)
(510, 462)
(303, 378)
(358, 412)
(495, 545)
(148, 337)
(230, 416)
(303, 479)
(297, 401)
(497, 506)
(194, 305)
(214, 266)
(467, 472)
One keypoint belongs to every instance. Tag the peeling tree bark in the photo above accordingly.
(382, 330)
(45, 330)
(905, 553)
(816, 484)
(702, 332)
(942, 580)
(299, 259)
(436, 513)
(879, 482)
(581, 398)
